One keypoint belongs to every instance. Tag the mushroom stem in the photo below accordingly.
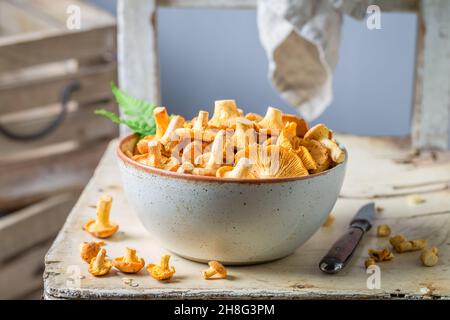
(162, 121)
(130, 255)
(209, 273)
(100, 258)
(103, 209)
(202, 120)
(164, 263)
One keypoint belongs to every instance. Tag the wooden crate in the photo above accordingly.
(41, 178)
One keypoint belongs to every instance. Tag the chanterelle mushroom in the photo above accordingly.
(102, 227)
(199, 131)
(225, 113)
(215, 159)
(242, 170)
(89, 250)
(272, 121)
(161, 271)
(322, 134)
(99, 265)
(215, 269)
(162, 121)
(302, 126)
(285, 139)
(244, 135)
(170, 139)
(319, 153)
(130, 263)
(279, 162)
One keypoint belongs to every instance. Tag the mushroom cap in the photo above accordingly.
(100, 231)
(306, 157)
(242, 170)
(244, 135)
(89, 250)
(320, 153)
(318, 132)
(272, 121)
(278, 162)
(287, 135)
(191, 151)
(225, 112)
(220, 173)
(302, 126)
(172, 164)
(142, 145)
(253, 117)
(218, 267)
(102, 269)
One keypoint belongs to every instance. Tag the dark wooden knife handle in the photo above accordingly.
(336, 259)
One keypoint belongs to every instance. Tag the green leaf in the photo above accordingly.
(139, 113)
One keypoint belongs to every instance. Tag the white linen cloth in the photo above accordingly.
(301, 40)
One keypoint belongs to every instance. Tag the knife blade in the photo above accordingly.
(342, 250)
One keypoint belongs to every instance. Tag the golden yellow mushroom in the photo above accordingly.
(254, 117)
(215, 157)
(161, 271)
(186, 167)
(306, 157)
(162, 121)
(130, 263)
(170, 139)
(89, 250)
(215, 269)
(99, 266)
(322, 134)
(278, 162)
(272, 123)
(430, 257)
(242, 170)
(102, 227)
(225, 114)
(285, 139)
(244, 135)
(302, 126)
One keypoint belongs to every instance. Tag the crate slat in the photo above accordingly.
(94, 83)
(22, 277)
(80, 124)
(30, 49)
(24, 228)
(29, 180)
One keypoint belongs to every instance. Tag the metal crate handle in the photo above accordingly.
(65, 98)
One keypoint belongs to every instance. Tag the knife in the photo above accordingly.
(341, 251)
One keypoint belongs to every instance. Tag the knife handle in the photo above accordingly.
(339, 254)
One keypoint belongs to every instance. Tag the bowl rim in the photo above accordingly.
(190, 177)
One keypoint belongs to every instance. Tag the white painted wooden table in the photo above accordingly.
(379, 169)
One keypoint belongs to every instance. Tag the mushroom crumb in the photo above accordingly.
(215, 269)
(383, 230)
(430, 257)
(401, 244)
(161, 271)
(102, 227)
(89, 250)
(130, 263)
(415, 199)
(381, 255)
(329, 221)
(99, 265)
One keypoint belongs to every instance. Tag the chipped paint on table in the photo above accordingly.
(379, 169)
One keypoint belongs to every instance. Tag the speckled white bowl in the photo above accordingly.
(233, 221)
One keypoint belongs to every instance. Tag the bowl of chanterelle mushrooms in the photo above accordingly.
(233, 187)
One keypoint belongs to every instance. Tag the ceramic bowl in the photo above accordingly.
(237, 221)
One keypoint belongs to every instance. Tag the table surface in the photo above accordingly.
(379, 169)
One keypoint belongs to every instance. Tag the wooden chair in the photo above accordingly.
(139, 70)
